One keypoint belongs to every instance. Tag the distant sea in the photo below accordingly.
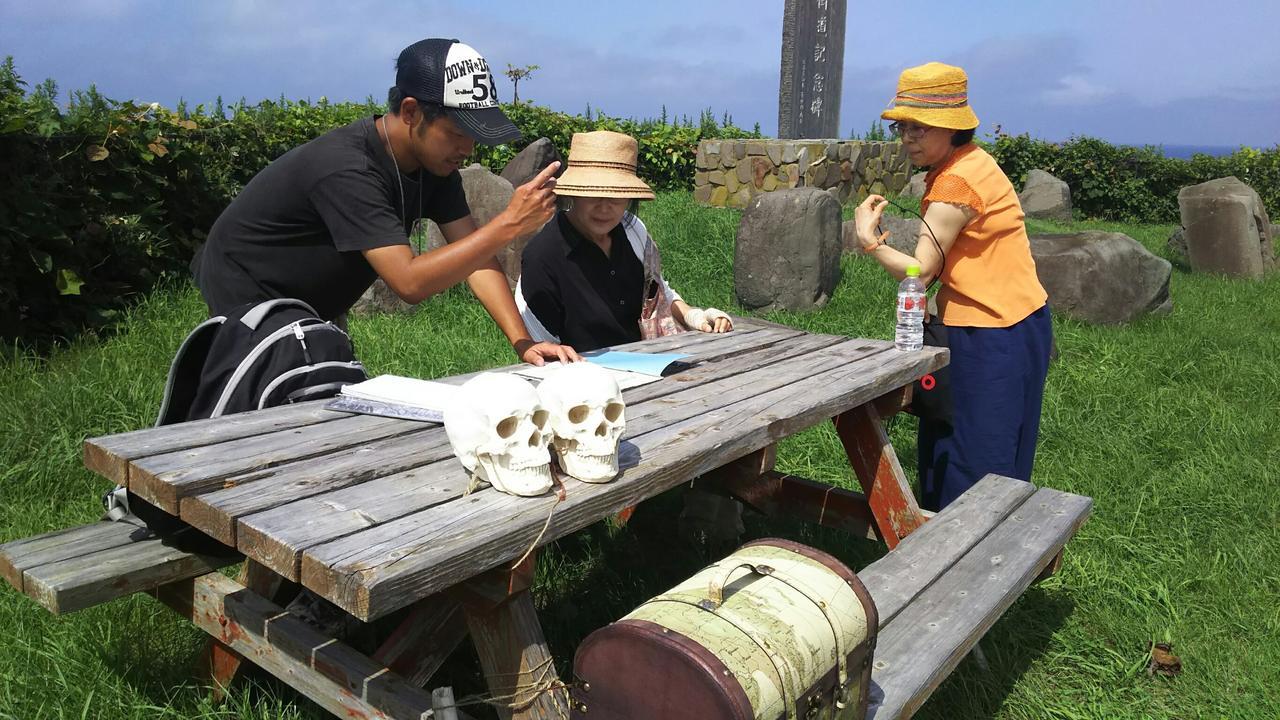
(1186, 151)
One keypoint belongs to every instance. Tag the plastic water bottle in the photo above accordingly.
(911, 307)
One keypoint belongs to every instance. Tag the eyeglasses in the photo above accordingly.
(911, 130)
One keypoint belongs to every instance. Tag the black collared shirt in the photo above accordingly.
(299, 227)
(587, 299)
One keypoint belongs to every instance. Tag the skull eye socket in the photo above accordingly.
(507, 427)
(540, 419)
(612, 412)
(578, 413)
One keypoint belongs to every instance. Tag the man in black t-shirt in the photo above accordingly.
(327, 218)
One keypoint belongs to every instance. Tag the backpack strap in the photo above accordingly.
(184, 371)
(257, 313)
(116, 504)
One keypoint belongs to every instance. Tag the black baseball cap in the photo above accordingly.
(454, 76)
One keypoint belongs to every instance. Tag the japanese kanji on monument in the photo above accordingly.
(812, 67)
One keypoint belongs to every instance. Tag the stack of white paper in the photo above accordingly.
(399, 390)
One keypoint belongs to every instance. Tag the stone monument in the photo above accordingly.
(812, 69)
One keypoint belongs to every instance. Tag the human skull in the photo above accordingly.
(587, 419)
(498, 430)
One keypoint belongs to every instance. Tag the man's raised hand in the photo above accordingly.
(534, 203)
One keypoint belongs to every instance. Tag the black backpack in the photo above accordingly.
(259, 355)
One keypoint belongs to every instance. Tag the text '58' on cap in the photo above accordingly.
(454, 76)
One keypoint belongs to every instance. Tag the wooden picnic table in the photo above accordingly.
(375, 514)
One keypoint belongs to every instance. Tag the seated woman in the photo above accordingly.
(592, 276)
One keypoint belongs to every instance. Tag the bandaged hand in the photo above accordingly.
(708, 320)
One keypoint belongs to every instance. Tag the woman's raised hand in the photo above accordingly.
(866, 220)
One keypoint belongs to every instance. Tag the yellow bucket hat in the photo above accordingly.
(933, 94)
(603, 164)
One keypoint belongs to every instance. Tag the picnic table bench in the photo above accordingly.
(374, 514)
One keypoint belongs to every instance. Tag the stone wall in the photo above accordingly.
(730, 172)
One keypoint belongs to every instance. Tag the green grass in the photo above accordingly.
(1168, 423)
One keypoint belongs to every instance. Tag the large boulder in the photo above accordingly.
(1227, 229)
(1045, 197)
(487, 195)
(1103, 278)
(380, 299)
(530, 161)
(903, 234)
(787, 252)
(915, 186)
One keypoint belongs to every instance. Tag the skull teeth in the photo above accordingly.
(526, 481)
(590, 468)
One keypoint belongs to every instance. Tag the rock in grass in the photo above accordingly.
(1227, 229)
(787, 252)
(1045, 197)
(1102, 278)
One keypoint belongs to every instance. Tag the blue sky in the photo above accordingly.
(1176, 72)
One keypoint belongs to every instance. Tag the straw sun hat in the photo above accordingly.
(933, 94)
(602, 164)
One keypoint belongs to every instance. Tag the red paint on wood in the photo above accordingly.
(871, 456)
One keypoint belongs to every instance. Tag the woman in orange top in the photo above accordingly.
(991, 301)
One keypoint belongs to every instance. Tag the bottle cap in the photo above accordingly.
(913, 270)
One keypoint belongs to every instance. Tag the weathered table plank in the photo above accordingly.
(19, 555)
(110, 455)
(165, 479)
(928, 638)
(897, 578)
(687, 342)
(734, 343)
(91, 579)
(216, 512)
(729, 365)
(278, 537)
(762, 378)
(388, 566)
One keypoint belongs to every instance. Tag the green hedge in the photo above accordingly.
(1133, 184)
(101, 198)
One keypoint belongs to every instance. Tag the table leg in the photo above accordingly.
(518, 667)
(1051, 569)
(219, 662)
(874, 462)
(424, 639)
(623, 516)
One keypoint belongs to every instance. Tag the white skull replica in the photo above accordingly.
(499, 432)
(587, 419)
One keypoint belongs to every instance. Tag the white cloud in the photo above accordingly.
(1075, 90)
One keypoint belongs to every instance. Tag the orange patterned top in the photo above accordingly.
(990, 278)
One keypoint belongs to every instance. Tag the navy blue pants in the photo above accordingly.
(997, 385)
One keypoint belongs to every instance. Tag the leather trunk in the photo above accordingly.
(775, 630)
